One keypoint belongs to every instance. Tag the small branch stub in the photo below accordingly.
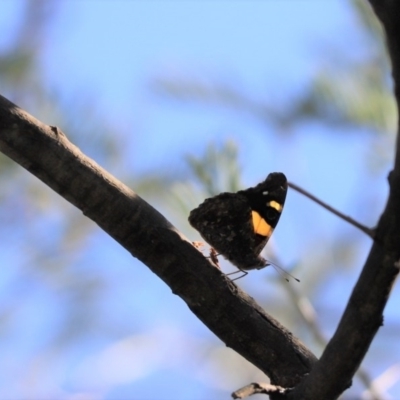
(255, 388)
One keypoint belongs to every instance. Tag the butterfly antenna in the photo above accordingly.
(283, 273)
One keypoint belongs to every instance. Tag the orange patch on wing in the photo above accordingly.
(261, 226)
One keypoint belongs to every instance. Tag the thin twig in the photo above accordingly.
(368, 231)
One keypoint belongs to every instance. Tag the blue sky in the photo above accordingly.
(108, 53)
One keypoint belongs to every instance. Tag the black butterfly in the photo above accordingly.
(238, 225)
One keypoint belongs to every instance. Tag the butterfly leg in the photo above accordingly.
(244, 273)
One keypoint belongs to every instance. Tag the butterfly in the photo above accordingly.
(239, 225)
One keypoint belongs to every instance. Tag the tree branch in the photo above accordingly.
(228, 312)
(363, 316)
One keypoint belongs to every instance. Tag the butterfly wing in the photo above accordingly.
(225, 222)
(266, 202)
(238, 225)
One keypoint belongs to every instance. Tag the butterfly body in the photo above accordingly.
(238, 225)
